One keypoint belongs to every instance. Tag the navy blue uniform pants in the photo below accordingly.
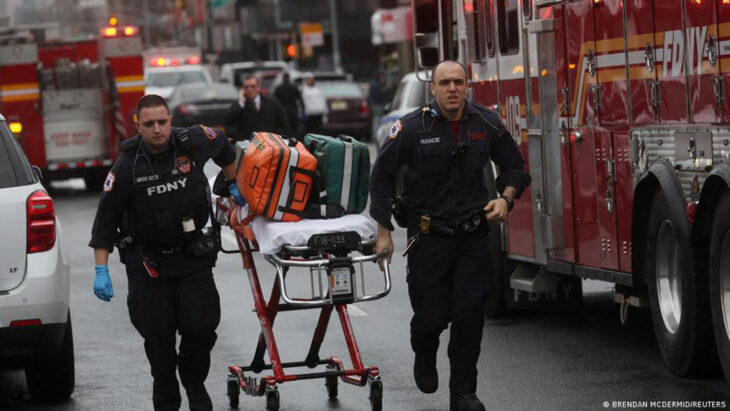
(185, 303)
(447, 282)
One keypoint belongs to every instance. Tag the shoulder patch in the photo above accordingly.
(109, 182)
(182, 163)
(209, 132)
(395, 129)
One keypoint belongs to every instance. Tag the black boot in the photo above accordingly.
(465, 402)
(199, 399)
(424, 372)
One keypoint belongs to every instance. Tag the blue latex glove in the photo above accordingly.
(103, 283)
(237, 197)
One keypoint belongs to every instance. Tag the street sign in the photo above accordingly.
(311, 34)
(391, 25)
(219, 3)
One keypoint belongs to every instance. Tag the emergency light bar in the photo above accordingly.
(162, 61)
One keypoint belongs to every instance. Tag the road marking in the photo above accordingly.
(228, 235)
(354, 311)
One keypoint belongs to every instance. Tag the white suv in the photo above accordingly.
(35, 321)
(163, 80)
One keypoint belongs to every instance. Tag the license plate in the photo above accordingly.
(338, 105)
(345, 240)
(341, 278)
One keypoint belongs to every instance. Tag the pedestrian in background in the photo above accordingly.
(156, 195)
(445, 205)
(376, 100)
(315, 105)
(291, 99)
(254, 111)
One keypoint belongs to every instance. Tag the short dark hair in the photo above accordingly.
(149, 101)
(250, 76)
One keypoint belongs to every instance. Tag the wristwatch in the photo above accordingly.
(510, 202)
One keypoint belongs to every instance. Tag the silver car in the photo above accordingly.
(411, 94)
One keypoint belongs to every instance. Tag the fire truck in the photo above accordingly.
(70, 102)
(622, 111)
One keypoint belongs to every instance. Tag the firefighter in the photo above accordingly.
(157, 195)
(444, 147)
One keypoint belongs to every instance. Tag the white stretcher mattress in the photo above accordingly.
(271, 235)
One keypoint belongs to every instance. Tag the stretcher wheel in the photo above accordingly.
(272, 400)
(331, 382)
(376, 395)
(234, 391)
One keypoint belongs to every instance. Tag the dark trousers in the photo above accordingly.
(292, 121)
(447, 283)
(186, 303)
(313, 124)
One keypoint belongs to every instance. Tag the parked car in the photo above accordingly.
(163, 80)
(348, 108)
(267, 71)
(35, 321)
(411, 94)
(198, 103)
(297, 77)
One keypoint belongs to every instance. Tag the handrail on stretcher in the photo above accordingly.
(280, 263)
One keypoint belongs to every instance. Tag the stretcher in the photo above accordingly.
(326, 250)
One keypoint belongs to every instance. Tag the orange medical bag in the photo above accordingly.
(275, 177)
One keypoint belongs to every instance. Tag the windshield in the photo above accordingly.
(267, 75)
(174, 78)
(410, 94)
(339, 89)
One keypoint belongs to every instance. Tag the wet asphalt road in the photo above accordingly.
(535, 360)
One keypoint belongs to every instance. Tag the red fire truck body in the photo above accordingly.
(70, 103)
(622, 111)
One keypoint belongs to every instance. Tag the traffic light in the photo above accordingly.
(113, 21)
(292, 50)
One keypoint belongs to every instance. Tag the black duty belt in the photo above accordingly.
(462, 224)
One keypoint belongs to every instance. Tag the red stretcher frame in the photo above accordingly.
(267, 311)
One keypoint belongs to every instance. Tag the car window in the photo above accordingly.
(339, 89)
(267, 79)
(411, 93)
(173, 78)
(211, 92)
(14, 167)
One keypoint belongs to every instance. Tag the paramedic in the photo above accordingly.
(157, 195)
(445, 147)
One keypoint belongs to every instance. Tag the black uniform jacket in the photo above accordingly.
(442, 176)
(206, 143)
(270, 117)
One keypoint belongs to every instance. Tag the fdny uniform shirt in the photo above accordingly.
(206, 143)
(443, 174)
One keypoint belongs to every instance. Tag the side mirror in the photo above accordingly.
(37, 173)
(224, 80)
(427, 48)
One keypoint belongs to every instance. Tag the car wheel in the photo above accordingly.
(679, 297)
(51, 376)
(720, 281)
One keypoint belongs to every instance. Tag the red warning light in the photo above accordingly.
(130, 30)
